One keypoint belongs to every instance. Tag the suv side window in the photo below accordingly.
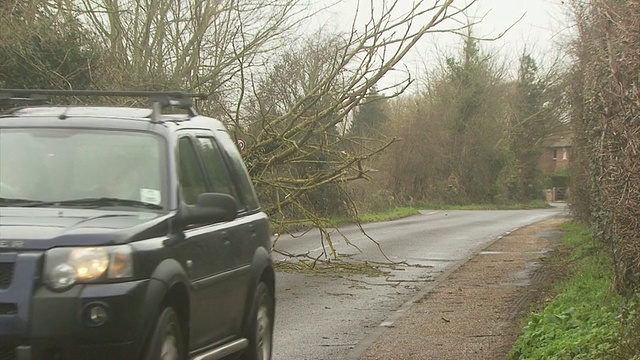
(189, 171)
(216, 167)
(240, 174)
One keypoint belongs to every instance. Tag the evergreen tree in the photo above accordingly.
(42, 48)
(534, 117)
(370, 117)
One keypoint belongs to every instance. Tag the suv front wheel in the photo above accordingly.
(260, 330)
(166, 341)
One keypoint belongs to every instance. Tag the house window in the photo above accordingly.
(555, 154)
(564, 153)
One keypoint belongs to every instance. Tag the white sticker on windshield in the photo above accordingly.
(150, 196)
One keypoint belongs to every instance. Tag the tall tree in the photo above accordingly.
(451, 142)
(370, 117)
(471, 89)
(536, 113)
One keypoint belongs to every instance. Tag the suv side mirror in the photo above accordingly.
(211, 208)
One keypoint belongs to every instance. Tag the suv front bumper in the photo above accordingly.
(62, 325)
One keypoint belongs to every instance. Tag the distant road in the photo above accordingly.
(323, 317)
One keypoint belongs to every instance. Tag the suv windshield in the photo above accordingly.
(81, 168)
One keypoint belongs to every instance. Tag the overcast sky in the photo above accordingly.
(541, 27)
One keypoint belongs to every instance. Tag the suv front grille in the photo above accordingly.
(6, 273)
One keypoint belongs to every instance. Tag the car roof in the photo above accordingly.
(89, 116)
(111, 117)
(91, 111)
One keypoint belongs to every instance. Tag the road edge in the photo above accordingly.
(362, 346)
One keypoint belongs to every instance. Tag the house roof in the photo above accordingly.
(559, 140)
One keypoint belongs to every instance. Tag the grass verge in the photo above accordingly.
(583, 321)
(401, 212)
(536, 204)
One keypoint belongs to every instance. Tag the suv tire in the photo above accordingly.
(166, 341)
(260, 330)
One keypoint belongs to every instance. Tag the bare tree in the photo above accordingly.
(317, 96)
(229, 48)
(197, 45)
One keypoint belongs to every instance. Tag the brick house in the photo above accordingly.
(554, 162)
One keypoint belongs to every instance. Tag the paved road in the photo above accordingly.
(324, 315)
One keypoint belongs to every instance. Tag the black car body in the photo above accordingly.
(175, 266)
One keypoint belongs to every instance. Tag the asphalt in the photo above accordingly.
(475, 310)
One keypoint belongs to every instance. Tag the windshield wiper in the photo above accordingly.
(92, 203)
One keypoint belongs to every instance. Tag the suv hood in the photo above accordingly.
(44, 228)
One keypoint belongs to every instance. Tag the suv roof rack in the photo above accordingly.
(161, 99)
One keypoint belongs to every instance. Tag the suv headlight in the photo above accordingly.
(64, 267)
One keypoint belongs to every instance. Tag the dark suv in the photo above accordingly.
(128, 233)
